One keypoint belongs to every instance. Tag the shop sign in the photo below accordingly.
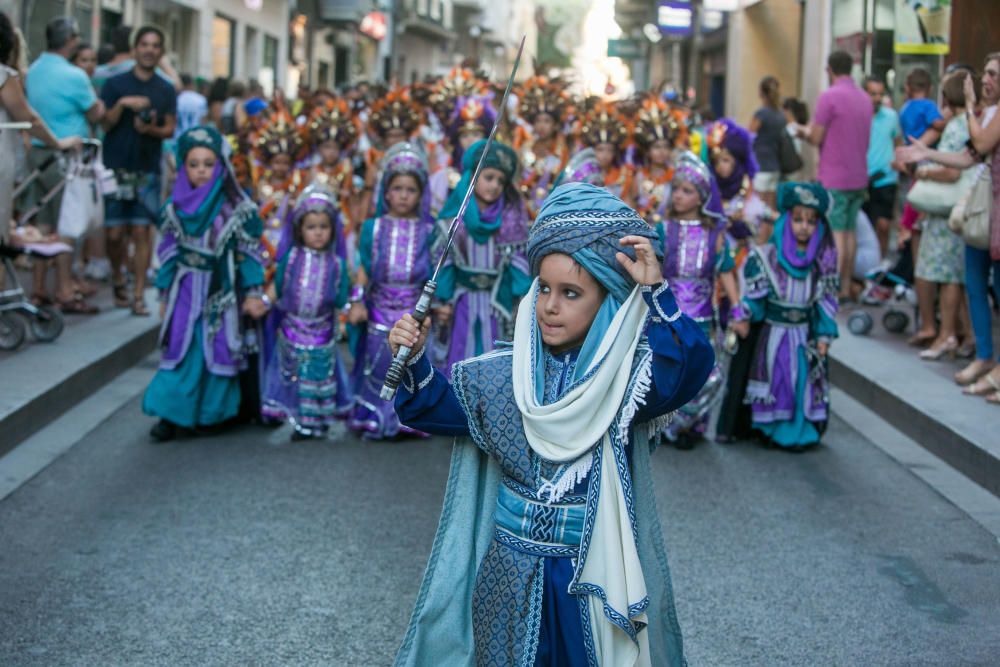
(374, 25)
(625, 48)
(922, 26)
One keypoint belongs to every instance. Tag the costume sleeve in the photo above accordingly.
(365, 242)
(427, 402)
(343, 287)
(757, 287)
(682, 355)
(822, 319)
(250, 251)
(725, 262)
(279, 275)
(166, 253)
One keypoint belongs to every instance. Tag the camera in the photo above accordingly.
(146, 115)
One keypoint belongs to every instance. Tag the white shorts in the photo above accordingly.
(766, 181)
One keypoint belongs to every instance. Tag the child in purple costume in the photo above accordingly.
(395, 258)
(305, 382)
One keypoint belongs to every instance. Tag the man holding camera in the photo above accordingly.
(142, 112)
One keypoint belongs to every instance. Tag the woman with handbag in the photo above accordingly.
(980, 223)
(940, 268)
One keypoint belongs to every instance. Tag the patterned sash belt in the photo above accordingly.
(786, 315)
(535, 527)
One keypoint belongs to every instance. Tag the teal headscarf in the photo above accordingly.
(197, 208)
(587, 222)
(500, 157)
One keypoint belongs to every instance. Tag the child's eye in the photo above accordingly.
(571, 294)
(544, 289)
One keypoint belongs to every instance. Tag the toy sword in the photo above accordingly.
(395, 373)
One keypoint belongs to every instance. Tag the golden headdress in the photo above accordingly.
(604, 124)
(397, 110)
(538, 95)
(656, 120)
(333, 121)
(277, 134)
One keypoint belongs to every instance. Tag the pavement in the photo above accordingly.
(248, 549)
(920, 398)
(41, 381)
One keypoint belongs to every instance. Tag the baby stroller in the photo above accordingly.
(889, 284)
(17, 312)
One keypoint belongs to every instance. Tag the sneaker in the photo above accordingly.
(98, 269)
(163, 431)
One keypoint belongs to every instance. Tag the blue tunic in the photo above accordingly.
(522, 611)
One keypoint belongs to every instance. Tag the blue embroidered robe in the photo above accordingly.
(500, 595)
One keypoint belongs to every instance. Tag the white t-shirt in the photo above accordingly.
(868, 254)
(192, 108)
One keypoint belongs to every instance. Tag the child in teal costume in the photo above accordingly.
(791, 286)
(210, 269)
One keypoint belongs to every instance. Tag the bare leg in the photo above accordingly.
(882, 227)
(847, 246)
(951, 296)
(926, 291)
(140, 238)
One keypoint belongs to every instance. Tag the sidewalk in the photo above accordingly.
(41, 381)
(920, 398)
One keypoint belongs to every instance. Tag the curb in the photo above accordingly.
(919, 399)
(44, 381)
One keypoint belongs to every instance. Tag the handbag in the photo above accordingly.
(789, 160)
(82, 208)
(937, 198)
(970, 218)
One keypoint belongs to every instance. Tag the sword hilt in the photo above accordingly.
(394, 376)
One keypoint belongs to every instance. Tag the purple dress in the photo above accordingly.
(305, 382)
(691, 265)
(483, 281)
(395, 254)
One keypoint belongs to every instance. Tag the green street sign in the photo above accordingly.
(629, 49)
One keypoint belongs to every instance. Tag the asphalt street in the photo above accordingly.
(246, 549)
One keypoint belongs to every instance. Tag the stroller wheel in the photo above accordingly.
(11, 332)
(47, 325)
(860, 323)
(895, 321)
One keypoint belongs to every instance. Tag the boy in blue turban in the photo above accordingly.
(549, 550)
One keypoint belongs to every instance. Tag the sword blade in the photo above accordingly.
(457, 220)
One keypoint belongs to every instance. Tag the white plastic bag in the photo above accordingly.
(82, 209)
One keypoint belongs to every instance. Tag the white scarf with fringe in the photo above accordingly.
(567, 431)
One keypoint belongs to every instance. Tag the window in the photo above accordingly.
(269, 65)
(222, 46)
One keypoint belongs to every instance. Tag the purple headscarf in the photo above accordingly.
(737, 140)
(188, 198)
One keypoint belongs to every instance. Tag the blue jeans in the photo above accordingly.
(977, 281)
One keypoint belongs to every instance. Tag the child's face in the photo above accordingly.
(329, 153)
(316, 231)
(280, 165)
(544, 125)
(724, 163)
(403, 195)
(659, 153)
(804, 222)
(605, 155)
(568, 300)
(469, 137)
(199, 164)
(684, 198)
(490, 185)
(394, 136)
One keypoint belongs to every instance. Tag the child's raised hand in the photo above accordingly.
(358, 313)
(645, 269)
(407, 332)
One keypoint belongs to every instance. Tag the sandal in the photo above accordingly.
(988, 384)
(139, 308)
(78, 306)
(994, 398)
(41, 300)
(119, 292)
(921, 340)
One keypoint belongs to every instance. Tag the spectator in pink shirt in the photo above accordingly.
(841, 128)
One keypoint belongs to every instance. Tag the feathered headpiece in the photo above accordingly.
(538, 95)
(603, 124)
(277, 134)
(656, 120)
(396, 111)
(333, 121)
(460, 83)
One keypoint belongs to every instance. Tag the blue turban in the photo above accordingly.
(587, 222)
